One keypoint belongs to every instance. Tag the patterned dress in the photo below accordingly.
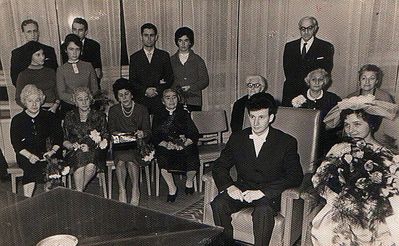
(77, 131)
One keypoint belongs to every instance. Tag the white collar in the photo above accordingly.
(261, 137)
(149, 52)
(73, 62)
(312, 98)
(308, 43)
(171, 111)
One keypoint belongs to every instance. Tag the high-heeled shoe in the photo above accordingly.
(189, 190)
(172, 198)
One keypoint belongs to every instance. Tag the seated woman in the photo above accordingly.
(354, 180)
(127, 117)
(85, 136)
(74, 73)
(316, 97)
(239, 119)
(370, 79)
(31, 131)
(175, 137)
(189, 70)
(43, 77)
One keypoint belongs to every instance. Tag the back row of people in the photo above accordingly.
(151, 70)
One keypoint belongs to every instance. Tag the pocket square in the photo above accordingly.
(319, 58)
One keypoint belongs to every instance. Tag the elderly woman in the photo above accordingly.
(43, 77)
(85, 137)
(354, 180)
(254, 84)
(316, 97)
(370, 78)
(35, 135)
(74, 73)
(175, 136)
(127, 117)
(189, 70)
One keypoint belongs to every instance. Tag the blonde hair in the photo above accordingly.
(320, 71)
(78, 90)
(29, 90)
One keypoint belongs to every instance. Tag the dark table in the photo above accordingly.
(94, 221)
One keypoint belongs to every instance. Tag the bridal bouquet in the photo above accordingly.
(364, 177)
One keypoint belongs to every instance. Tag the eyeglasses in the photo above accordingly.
(309, 28)
(257, 85)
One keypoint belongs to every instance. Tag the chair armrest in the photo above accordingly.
(312, 206)
(210, 190)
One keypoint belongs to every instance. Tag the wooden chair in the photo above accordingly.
(211, 125)
(303, 124)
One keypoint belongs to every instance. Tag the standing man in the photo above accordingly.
(19, 61)
(302, 56)
(150, 70)
(267, 163)
(91, 50)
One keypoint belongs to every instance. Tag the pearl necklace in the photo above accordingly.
(126, 113)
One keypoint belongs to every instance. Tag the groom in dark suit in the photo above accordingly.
(302, 56)
(150, 70)
(267, 163)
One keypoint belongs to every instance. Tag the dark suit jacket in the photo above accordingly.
(237, 114)
(276, 168)
(91, 52)
(20, 60)
(320, 55)
(144, 74)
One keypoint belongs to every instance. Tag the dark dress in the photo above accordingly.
(118, 122)
(169, 128)
(237, 114)
(328, 137)
(77, 131)
(37, 135)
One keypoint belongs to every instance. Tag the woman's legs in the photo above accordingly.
(168, 177)
(134, 173)
(121, 177)
(83, 175)
(29, 188)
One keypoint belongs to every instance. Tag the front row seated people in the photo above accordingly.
(85, 137)
(267, 163)
(31, 130)
(127, 117)
(175, 137)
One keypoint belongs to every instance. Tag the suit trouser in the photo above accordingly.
(262, 217)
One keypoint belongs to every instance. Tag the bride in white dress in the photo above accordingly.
(361, 195)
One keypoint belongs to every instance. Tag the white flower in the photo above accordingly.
(376, 177)
(361, 183)
(65, 171)
(395, 159)
(348, 158)
(339, 150)
(369, 165)
(95, 136)
(298, 101)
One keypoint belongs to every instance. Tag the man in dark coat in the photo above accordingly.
(150, 70)
(19, 58)
(267, 163)
(91, 51)
(302, 56)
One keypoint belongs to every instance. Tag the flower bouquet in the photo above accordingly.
(363, 177)
(146, 152)
(54, 172)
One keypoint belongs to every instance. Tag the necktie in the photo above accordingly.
(303, 53)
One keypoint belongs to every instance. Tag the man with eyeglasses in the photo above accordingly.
(19, 58)
(239, 118)
(302, 56)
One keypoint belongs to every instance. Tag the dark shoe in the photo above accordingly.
(172, 198)
(189, 190)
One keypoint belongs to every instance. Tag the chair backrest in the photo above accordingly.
(388, 133)
(304, 125)
(210, 122)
